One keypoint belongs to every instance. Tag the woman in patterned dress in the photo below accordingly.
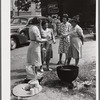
(64, 40)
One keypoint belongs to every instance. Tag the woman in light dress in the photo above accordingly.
(76, 41)
(47, 46)
(34, 50)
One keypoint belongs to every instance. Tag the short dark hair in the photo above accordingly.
(44, 22)
(53, 16)
(35, 21)
(65, 16)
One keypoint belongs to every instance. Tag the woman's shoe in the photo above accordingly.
(41, 70)
(49, 69)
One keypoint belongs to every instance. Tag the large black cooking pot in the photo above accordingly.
(67, 73)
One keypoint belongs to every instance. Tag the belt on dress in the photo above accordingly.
(33, 40)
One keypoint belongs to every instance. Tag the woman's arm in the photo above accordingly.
(80, 34)
(37, 35)
(41, 40)
(41, 32)
(68, 33)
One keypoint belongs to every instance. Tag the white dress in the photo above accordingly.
(34, 50)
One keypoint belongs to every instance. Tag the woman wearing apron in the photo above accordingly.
(76, 41)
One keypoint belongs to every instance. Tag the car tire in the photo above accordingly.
(13, 43)
(23, 33)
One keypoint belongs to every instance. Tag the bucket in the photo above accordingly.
(67, 73)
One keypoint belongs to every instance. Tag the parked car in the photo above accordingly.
(25, 31)
(90, 30)
(16, 40)
(20, 29)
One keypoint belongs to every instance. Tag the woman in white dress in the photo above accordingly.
(34, 50)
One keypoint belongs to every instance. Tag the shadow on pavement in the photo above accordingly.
(18, 70)
(18, 77)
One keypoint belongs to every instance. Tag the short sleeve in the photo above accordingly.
(80, 31)
(36, 31)
(69, 27)
(43, 33)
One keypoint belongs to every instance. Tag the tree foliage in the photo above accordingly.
(23, 5)
(36, 1)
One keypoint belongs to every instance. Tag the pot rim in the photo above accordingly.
(71, 67)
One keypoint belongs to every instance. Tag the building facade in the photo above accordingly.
(86, 9)
(33, 10)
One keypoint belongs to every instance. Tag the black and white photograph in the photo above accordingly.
(53, 49)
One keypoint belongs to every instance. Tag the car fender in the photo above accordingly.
(26, 31)
(20, 38)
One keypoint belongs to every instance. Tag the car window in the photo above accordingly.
(30, 22)
(20, 21)
(23, 21)
(16, 21)
(44, 20)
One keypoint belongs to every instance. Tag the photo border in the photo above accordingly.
(97, 49)
(98, 30)
(5, 50)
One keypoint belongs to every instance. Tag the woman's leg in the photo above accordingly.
(49, 55)
(32, 71)
(66, 58)
(60, 59)
(76, 61)
(42, 55)
(36, 70)
(68, 61)
(41, 69)
(60, 50)
(47, 63)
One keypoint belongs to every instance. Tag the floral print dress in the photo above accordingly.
(64, 41)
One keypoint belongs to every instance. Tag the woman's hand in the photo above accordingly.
(48, 38)
(82, 39)
(54, 41)
(65, 35)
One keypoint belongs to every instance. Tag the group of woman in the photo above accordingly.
(71, 40)
(42, 37)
